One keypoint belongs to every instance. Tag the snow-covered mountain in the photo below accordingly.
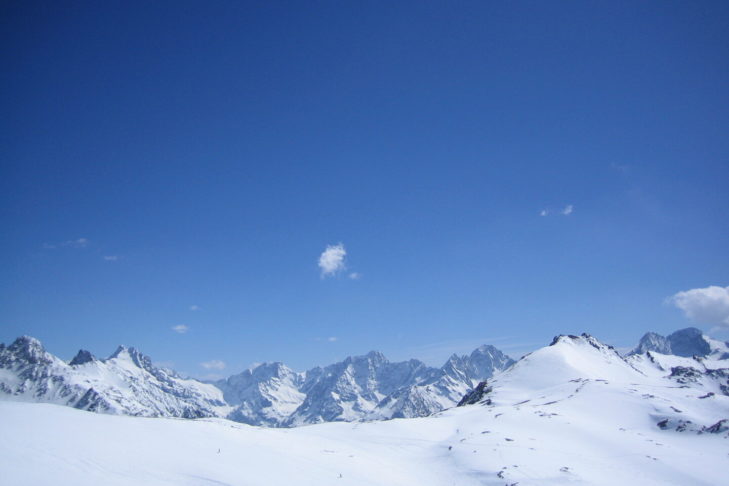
(446, 387)
(575, 412)
(368, 387)
(266, 394)
(684, 342)
(125, 383)
(688, 393)
(352, 389)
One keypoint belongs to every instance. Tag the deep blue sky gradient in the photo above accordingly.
(216, 148)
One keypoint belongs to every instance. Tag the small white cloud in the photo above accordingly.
(355, 276)
(709, 305)
(332, 339)
(180, 328)
(111, 258)
(195, 308)
(544, 212)
(331, 261)
(214, 364)
(79, 243)
(568, 210)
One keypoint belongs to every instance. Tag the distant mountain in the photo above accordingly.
(687, 342)
(368, 387)
(266, 394)
(125, 383)
(448, 385)
(352, 389)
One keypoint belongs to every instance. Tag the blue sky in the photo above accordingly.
(186, 164)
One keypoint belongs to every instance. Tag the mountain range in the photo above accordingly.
(359, 388)
(573, 412)
(368, 387)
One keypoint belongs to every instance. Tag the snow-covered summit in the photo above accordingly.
(684, 342)
(125, 383)
(576, 375)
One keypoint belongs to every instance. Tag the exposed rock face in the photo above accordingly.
(476, 395)
(689, 342)
(82, 357)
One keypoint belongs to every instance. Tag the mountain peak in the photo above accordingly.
(29, 349)
(141, 360)
(689, 342)
(686, 342)
(82, 357)
(583, 338)
(376, 355)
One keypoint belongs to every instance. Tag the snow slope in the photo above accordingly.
(574, 412)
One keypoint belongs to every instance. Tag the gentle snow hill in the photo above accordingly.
(574, 412)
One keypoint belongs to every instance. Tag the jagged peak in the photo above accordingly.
(267, 365)
(376, 355)
(138, 358)
(26, 341)
(485, 348)
(373, 356)
(82, 357)
(119, 350)
(29, 349)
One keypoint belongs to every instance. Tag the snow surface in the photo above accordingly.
(572, 413)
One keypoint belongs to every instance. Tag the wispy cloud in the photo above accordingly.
(78, 243)
(331, 261)
(111, 258)
(180, 328)
(708, 305)
(330, 339)
(355, 276)
(195, 308)
(214, 364)
(565, 211)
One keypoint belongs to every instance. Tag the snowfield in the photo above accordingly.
(574, 412)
